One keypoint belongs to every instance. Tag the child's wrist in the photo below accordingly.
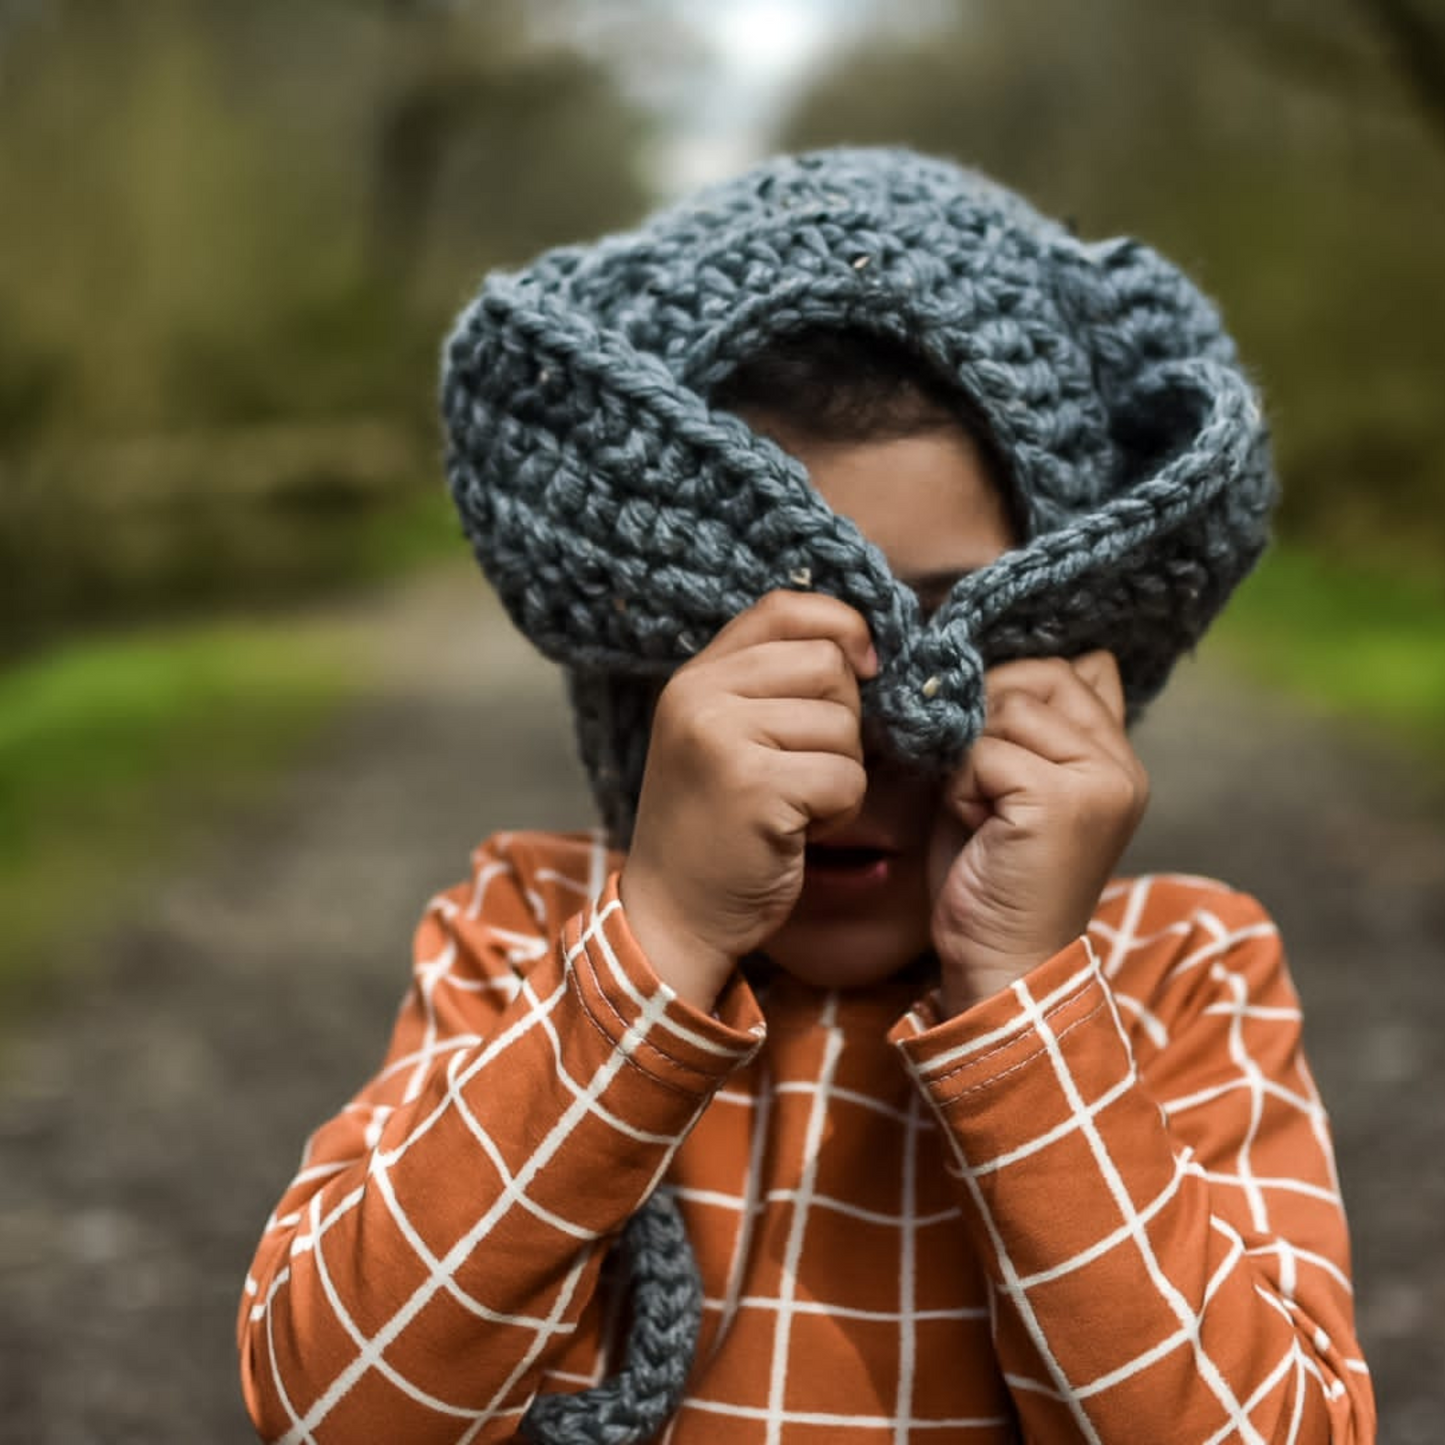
(970, 978)
(693, 968)
(959, 990)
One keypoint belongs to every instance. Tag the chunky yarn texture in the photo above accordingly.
(623, 520)
(666, 1304)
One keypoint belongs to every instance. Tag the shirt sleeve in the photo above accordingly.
(442, 1239)
(1146, 1168)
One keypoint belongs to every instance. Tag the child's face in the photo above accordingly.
(930, 505)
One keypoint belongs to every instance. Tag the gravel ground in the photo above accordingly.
(148, 1122)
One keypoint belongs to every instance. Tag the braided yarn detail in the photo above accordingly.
(635, 1403)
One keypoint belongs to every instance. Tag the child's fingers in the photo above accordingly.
(824, 790)
(1043, 728)
(812, 668)
(1054, 733)
(806, 726)
(1100, 669)
(1097, 709)
(799, 616)
(1105, 767)
(994, 771)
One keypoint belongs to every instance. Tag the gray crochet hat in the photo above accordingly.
(623, 519)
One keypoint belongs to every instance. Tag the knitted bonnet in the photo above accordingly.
(623, 520)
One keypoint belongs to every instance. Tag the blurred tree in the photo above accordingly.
(1415, 33)
(1322, 48)
(1274, 149)
(245, 228)
(483, 129)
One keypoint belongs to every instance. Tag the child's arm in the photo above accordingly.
(1146, 1169)
(755, 749)
(1158, 1204)
(438, 1250)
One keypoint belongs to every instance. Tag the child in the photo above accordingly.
(845, 1096)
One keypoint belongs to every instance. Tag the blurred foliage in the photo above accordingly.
(1289, 153)
(232, 238)
(1356, 639)
(115, 753)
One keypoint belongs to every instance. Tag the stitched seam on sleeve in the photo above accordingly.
(731, 1052)
(631, 1060)
(1015, 1067)
(974, 1060)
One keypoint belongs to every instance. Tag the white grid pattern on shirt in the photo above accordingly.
(750, 1204)
(778, 1418)
(1187, 1317)
(832, 1309)
(782, 1195)
(440, 1273)
(1033, 1016)
(805, 1200)
(1250, 1078)
(793, 1249)
(907, 1305)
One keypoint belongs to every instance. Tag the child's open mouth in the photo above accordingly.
(842, 870)
(822, 855)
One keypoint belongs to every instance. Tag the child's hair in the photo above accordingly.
(829, 384)
(843, 386)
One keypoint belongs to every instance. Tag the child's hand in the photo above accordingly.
(755, 749)
(1032, 824)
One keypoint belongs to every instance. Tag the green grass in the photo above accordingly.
(1362, 641)
(116, 753)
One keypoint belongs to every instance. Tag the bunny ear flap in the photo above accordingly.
(621, 521)
(582, 474)
(1145, 568)
(576, 464)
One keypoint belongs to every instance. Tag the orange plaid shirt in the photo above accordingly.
(1101, 1206)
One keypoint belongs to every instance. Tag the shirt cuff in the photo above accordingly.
(661, 1033)
(1002, 1043)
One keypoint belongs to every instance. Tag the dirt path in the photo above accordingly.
(147, 1127)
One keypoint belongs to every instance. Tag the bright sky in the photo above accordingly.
(754, 57)
(764, 50)
(766, 39)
